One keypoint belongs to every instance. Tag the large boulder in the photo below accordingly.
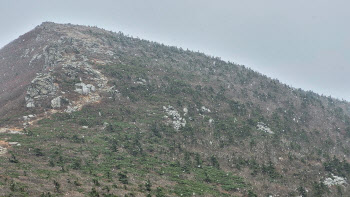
(56, 102)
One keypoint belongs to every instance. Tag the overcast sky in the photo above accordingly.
(305, 44)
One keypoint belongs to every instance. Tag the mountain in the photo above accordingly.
(89, 112)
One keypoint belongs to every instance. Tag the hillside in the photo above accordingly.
(89, 112)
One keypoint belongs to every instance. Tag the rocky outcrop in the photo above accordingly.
(211, 121)
(27, 119)
(40, 88)
(185, 110)
(71, 109)
(262, 127)
(141, 81)
(174, 117)
(205, 109)
(56, 102)
(52, 55)
(335, 180)
(96, 76)
(71, 70)
(11, 131)
(3, 150)
(84, 89)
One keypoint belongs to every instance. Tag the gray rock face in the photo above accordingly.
(52, 56)
(30, 102)
(69, 53)
(41, 87)
(56, 102)
(335, 180)
(71, 70)
(262, 127)
(175, 117)
(84, 89)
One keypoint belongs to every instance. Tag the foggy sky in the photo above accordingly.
(305, 44)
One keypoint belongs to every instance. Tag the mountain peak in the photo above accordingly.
(85, 111)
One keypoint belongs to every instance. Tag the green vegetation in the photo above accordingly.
(337, 167)
(126, 144)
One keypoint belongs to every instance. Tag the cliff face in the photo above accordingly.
(102, 109)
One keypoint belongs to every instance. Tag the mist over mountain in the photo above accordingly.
(90, 112)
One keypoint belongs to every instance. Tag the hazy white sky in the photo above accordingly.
(305, 44)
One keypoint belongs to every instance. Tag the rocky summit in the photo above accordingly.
(89, 112)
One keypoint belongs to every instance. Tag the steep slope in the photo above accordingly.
(86, 111)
